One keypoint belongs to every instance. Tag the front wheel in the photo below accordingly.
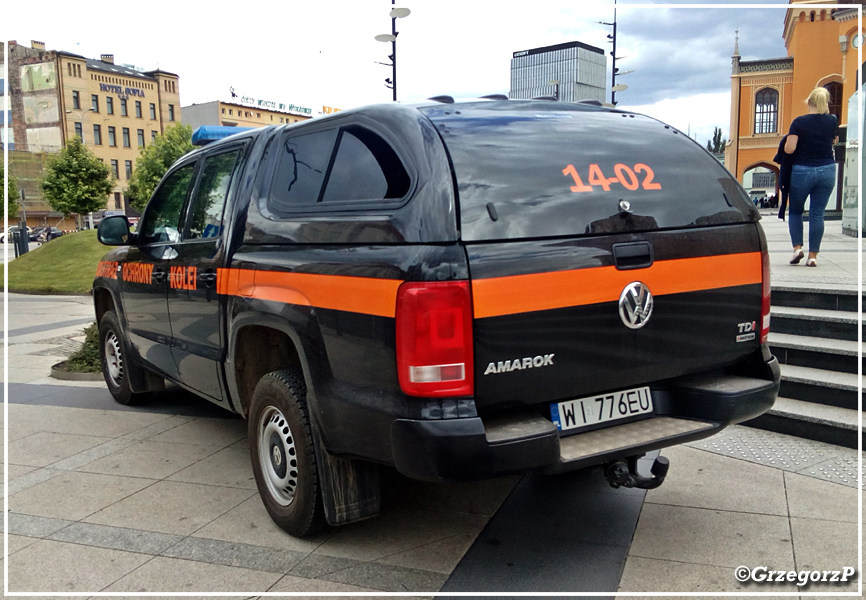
(282, 453)
(115, 366)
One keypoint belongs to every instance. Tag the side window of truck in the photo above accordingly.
(210, 199)
(365, 168)
(162, 219)
(303, 164)
(326, 169)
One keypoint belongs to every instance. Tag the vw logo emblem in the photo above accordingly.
(277, 455)
(635, 305)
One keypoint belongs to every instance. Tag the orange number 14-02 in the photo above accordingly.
(625, 175)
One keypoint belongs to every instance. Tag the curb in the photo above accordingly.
(57, 372)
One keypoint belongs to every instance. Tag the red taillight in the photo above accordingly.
(765, 295)
(434, 338)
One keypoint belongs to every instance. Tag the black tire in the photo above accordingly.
(115, 366)
(282, 453)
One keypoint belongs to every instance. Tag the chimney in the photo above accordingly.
(37, 45)
(107, 58)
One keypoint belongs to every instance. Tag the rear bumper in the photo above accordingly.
(474, 448)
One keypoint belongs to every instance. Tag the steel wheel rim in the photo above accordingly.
(277, 456)
(114, 359)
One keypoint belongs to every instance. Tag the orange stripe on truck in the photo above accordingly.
(500, 296)
(365, 295)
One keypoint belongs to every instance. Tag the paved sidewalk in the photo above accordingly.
(161, 498)
(837, 261)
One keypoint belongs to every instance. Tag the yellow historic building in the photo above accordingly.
(767, 95)
(115, 109)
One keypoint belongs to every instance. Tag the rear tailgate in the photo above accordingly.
(563, 207)
(547, 314)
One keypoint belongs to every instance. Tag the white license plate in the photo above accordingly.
(602, 408)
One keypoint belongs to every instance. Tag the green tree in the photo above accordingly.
(11, 193)
(717, 144)
(154, 160)
(75, 181)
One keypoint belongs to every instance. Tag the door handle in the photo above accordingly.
(158, 275)
(208, 278)
(632, 255)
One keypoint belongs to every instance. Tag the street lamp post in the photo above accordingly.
(81, 114)
(396, 13)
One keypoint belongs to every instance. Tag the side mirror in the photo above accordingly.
(113, 231)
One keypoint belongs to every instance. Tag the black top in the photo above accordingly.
(815, 139)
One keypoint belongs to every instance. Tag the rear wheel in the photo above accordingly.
(282, 453)
(115, 367)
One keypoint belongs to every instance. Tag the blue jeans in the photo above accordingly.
(816, 182)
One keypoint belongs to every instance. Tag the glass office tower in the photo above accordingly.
(570, 72)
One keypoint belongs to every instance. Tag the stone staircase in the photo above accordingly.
(813, 334)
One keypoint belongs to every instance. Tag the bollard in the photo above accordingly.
(22, 241)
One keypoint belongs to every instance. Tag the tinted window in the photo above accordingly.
(366, 168)
(525, 170)
(303, 163)
(210, 199)
(162, 219)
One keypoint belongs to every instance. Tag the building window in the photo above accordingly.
(94, 102)
(128, 165)
(79, 130)
(118, 203)
(835, 102)
(114, 170)
(224, 111)
(152, 111)
(97, 135)
(76, 100)
(141, 138)
(764, 180)
(171, 112)
(123, 112)
(152, 136)
(766, 111)
(112, 137)
(137, 109)
(109, 105)
(126, 137)
(230, 112)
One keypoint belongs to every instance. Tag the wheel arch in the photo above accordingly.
(260, 344)
(103, 301)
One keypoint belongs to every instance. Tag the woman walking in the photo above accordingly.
(810, 141)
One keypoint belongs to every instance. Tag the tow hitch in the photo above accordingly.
(623, 473)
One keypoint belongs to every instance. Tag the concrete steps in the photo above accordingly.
(813, 334)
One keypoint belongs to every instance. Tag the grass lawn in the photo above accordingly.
(66, 265)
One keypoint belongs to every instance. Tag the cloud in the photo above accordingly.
(697, 115)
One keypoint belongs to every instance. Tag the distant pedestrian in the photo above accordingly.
(813, 174)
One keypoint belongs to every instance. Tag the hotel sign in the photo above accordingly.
(120, 91)
(271, 105)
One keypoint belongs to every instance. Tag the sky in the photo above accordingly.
(317, 53)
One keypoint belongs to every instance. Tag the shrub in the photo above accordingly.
(86, 359)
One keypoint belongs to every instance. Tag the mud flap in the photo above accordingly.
(350, 488)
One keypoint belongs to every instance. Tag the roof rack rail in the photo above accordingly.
(551, 98)
(442, 99)
(495, 97)
(591, 102)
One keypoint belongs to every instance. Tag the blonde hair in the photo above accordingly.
(819, 99)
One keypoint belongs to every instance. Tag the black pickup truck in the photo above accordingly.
(457, 290)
